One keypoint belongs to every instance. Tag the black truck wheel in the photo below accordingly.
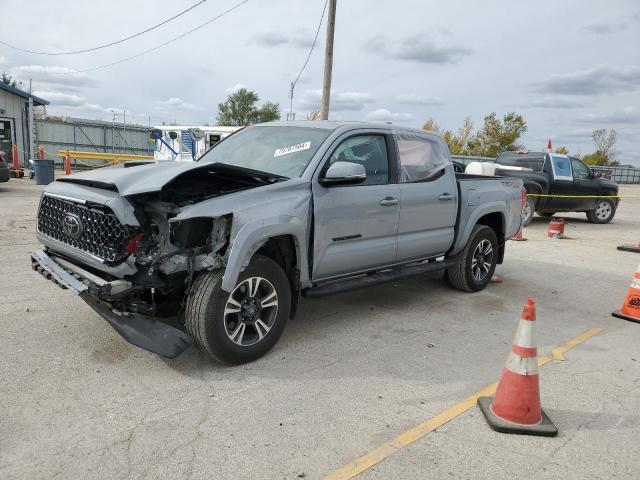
(244, 325)
(528, 211)
(475, 264)
(604, 212)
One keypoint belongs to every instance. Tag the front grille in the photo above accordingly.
(99, 233)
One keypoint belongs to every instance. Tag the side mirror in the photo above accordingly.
(173, 135)
(596, 174)
(344, 173)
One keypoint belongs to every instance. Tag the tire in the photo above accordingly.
(528, 211)
(604, 212)
(546, 214)
(223, 337)
(461, 274)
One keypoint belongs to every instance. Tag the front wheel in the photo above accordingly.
(474, 266)
(244, 325)
(603, 213)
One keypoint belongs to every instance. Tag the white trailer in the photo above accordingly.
(186, 143)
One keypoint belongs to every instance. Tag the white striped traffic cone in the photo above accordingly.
(631, 307)
(516, 405)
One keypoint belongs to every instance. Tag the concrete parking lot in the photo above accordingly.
(351, 373)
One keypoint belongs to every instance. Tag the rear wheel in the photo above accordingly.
(604, 212)
(527, 211)
(474, 265)
(244, 325)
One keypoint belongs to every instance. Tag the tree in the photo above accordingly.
(431, 126)
(497, 135)
(562, 150)
(315, 115)
(605, 153)
(240, 109)
(8, 80)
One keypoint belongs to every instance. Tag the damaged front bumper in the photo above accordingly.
(152, 334)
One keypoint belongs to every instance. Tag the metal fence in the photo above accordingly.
(619, 174)
(91, 136)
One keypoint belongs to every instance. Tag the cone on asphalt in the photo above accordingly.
(630, 248)
(516, 407)
(631, 307)
(518, 237)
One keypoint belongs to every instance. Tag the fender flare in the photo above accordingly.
(485, 209)
(252, 236)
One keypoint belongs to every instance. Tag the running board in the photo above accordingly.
(363, 281)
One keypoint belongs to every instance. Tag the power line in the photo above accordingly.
(99, 67)
(312, 47)
(99, 47)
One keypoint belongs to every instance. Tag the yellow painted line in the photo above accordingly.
(581, 196)
(376, 456)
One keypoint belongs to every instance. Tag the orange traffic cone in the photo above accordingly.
(516, 405)
(631, 307)
(518, 237)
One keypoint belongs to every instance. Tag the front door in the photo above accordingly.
(584, 186)
(6, 139)
(355, 226)
(561, 185)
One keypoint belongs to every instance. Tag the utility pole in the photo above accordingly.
(291, 115)
(328, 61)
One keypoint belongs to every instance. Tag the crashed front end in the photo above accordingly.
(129, 257)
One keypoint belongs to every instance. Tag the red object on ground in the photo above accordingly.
(549, 146)
(41, 152)
(556, 227)
(16, 163)
(631, 307)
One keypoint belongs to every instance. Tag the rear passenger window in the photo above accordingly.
(420, 158)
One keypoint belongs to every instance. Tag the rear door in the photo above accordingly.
(355, 226)
(428, 196)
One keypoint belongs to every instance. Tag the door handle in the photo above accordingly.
(389, 201)
(445, 196)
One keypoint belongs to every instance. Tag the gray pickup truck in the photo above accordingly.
(220, 251)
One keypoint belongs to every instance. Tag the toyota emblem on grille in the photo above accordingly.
(72, 225)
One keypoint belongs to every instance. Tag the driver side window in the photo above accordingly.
(580, 170)
(367, 150)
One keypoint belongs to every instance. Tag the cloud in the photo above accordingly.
(175, 103)
(300, 39)
(234, 89)
(384, 115)
(624, 116)
(59, 99)
(560, 103)
(54, 75)
(340, 101)
(420, 48)
(415, 99)
(604, 28)
(3, 60)
(599, 80)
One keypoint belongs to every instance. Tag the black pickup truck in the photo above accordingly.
(577, 187)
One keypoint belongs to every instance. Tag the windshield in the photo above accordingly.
(281, 150)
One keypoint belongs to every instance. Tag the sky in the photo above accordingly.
(568, 67)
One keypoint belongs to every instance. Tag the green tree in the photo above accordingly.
(605, 153)
(562, 150)
(241, 109)
(8, 80)
(497, 135)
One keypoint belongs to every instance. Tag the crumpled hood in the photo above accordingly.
(133, 180)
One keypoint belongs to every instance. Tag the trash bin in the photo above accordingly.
(44, 171)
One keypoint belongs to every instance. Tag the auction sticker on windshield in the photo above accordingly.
(292, 149)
